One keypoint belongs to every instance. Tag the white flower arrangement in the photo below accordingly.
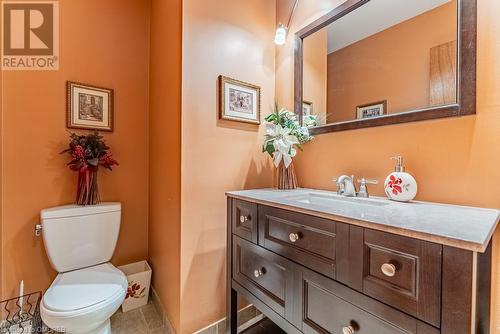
(284, 135)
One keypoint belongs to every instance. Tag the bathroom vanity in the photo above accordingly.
(316, 262)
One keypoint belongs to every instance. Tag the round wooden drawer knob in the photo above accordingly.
(348, 330)
(259, 272)
(388, 269)
(244, 219)
(294, 237)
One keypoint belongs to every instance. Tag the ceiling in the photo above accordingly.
(374, 17)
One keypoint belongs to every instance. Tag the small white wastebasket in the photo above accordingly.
(139, 279)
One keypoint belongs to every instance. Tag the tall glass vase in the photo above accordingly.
(287, 179)
(88, 190)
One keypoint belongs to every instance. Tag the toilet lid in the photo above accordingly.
(83, 288)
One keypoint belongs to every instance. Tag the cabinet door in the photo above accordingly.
(330, 307)
(404, 273)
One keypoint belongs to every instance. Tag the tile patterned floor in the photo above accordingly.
(144, 320)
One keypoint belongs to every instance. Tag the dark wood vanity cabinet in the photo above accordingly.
(315, 275)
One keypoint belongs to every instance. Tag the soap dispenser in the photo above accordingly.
(399, 185)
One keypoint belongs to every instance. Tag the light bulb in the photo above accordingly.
(280, 37)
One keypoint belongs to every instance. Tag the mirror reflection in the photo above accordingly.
(386, 57)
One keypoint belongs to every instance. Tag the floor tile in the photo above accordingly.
(161, 330)
(131, 322)
(151, 317)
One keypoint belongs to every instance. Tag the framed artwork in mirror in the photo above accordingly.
(239, 101)
(307, 108)
(354, 55)
(89, 107)
(371, 110)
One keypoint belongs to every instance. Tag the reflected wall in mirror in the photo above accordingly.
(384, 58)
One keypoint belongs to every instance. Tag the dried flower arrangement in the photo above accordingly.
(88, 152)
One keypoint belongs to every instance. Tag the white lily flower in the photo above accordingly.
(270, 129)
(283, 144)
(283, 136)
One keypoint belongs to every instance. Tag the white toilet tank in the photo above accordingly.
(76, 237)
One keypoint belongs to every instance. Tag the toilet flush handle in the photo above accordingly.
(38, 230)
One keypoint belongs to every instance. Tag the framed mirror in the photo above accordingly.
(379, 62)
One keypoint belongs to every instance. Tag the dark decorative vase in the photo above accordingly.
(287, 180)
(88, 190)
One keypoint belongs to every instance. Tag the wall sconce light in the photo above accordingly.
(282, 30)
(280, 37)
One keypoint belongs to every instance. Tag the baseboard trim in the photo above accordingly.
(247, 317)
(161, 311)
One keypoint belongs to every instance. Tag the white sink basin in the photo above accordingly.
(333, 199)
(362, 207)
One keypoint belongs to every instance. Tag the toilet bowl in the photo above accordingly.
(88, 289)
(82, 301)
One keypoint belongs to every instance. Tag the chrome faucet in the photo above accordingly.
(346, 185)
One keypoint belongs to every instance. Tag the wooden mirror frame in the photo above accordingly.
(466, 71)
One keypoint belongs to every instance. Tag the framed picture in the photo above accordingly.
(307, 108)
(371, 110)
(89, 107)
(239, 101)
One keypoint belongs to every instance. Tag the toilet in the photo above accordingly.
(79, 241)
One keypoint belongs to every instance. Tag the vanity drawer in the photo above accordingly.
(244, 219)
(403, 272)
(308, 240)
(329, 307)
(268, 276)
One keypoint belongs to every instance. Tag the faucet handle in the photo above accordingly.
(365, 181)
(363, 191)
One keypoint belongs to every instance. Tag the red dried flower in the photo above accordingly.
(89, 151)
(107, 161)
(78, 152)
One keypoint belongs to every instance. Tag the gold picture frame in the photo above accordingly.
(371, 110)
(307, 108)
(89, 107)
(239, 101)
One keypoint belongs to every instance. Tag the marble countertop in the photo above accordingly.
(463, 227)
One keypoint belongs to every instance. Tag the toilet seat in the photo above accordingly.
(82, 300)
(83, 288)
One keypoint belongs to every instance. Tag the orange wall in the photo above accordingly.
(283, 10)
(233, 38)
(315, 72)
(165, 153)
(103, 43)
(306, 12)
(455, 160)
(1, 185)
(381, 68)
